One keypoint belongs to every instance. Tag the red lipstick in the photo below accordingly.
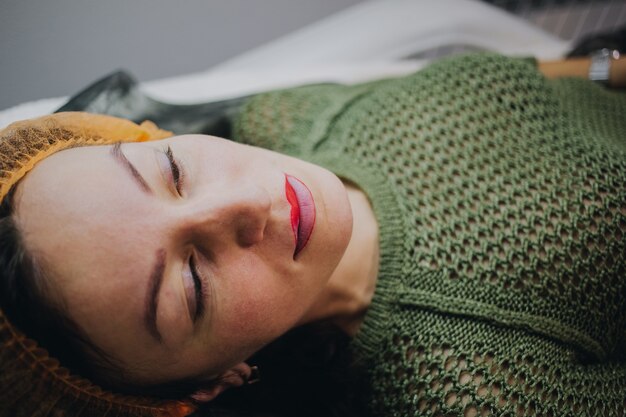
(302, 211)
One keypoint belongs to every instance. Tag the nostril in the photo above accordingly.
(243, 212)
(250, 230)
(253, 217)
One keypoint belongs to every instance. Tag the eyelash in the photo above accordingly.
(200, 288)
(177, 174)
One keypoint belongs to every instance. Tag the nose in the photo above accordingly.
(236, 214)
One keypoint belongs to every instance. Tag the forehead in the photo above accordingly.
(80, 214)
(77, 199)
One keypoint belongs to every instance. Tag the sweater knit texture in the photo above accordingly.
(501, 202)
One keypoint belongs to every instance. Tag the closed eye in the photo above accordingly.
(199, 289)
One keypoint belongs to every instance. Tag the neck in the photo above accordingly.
(350, 289)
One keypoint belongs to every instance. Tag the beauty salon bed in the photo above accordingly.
(374, 39)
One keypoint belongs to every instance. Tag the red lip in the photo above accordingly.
(302, 211)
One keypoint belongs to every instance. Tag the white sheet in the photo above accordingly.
(363, 42)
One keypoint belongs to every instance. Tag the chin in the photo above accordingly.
(340, 219)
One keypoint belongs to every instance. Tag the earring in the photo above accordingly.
(254, 377)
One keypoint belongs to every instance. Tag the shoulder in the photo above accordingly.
(487, 64)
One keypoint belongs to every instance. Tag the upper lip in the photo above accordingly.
(302, 211)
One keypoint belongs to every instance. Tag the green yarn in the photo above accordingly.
(501, 201)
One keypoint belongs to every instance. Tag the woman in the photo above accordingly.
(463, 226)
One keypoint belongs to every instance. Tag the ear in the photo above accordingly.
(234, 377)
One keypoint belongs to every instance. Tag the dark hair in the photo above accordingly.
(23, 298)
(308, 371)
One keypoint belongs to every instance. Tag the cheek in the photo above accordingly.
(257, 308)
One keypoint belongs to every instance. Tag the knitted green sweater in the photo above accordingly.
(501, 202)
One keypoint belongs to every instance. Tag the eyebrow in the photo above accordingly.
(156, 276)
(152, 299)
(119, 156)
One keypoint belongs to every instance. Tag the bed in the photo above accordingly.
(376, 38)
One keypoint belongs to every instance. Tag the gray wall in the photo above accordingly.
(52, 48)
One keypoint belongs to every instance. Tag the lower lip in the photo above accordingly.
(302, 211)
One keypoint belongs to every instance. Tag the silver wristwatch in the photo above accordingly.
(600, 68)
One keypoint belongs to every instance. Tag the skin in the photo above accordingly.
(579, 67)
(231, 217)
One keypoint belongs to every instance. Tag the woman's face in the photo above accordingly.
(176, 257)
